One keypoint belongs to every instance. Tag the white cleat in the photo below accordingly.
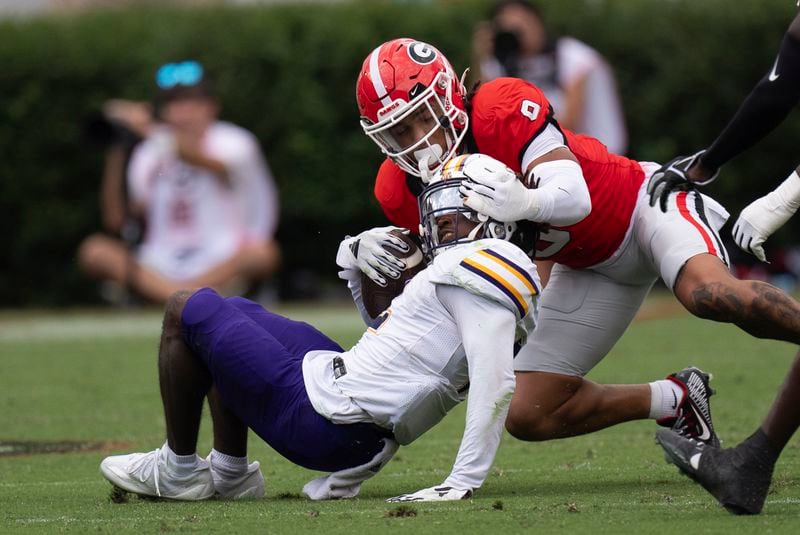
(250, 484)
(148, 474)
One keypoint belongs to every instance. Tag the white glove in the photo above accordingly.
(493, 190)
(762, 217)
(367, 252)
(756, 223)
(433, 494)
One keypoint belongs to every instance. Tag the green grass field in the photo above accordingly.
(92, 377)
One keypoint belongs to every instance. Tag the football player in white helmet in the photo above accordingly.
(450, 336)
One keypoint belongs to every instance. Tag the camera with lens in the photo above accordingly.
(104, 132)
(507, 50)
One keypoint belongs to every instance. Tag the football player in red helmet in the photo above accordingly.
(412, 105)
(608, 244)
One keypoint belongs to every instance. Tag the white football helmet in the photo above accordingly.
(441, 197)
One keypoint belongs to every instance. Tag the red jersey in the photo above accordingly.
(507, 114)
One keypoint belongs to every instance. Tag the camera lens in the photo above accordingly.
(506, 50)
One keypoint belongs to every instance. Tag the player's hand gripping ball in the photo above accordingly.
(377, 298)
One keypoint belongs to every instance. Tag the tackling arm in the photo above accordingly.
(559, 196)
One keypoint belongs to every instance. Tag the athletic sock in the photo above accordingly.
(180, 464)
(665, 398)
(228, 465)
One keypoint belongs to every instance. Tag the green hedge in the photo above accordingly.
(287, 73)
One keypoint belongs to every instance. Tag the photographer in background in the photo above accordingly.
(575, 78)
(200, 187)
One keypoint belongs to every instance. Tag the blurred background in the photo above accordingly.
(286, 71)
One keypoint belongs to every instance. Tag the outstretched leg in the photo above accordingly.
(548, 405)
(708, 290)
(582, 314)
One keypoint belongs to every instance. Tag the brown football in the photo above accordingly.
(377, 298)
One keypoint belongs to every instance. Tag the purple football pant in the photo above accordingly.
(255, 358)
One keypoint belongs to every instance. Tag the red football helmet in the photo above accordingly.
(407, 79)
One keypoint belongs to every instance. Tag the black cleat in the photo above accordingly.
(694, 412)
(738, 478)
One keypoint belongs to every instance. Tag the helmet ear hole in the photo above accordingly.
(497, 230)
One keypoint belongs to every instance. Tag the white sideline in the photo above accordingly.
(78, 326)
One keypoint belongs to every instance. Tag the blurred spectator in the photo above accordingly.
(200, 187)
(575, 78)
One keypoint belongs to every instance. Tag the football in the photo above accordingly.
(377, 298)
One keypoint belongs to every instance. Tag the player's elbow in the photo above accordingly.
(583, 207)
(578, 209)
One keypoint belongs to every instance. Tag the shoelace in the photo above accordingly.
(147, 464)
(684, 427)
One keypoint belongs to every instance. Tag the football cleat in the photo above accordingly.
(693, 417)
(149, 474)
(249, 484)
(736, 477)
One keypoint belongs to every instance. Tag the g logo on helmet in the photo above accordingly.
(421, 53)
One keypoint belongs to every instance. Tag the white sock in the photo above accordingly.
(665, 398)
(227, 465)
(180, 463)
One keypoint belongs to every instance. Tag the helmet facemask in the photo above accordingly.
(433, 105)
(441, 199)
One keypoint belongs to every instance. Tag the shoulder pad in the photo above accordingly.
(507, 113)
(494, 269)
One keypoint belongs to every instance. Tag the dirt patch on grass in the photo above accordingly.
(24, 448)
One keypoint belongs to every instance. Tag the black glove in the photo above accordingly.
(671, 177)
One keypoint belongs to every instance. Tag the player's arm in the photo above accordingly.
(190, 153)
(762, 111)
(487, 330)
(558, 194)
(762, 217)
(112, 198)
(513, 122)
(775, 95)
(367, 253)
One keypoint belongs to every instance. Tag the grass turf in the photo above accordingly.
(92, 376)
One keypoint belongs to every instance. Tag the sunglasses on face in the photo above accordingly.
(185, 73)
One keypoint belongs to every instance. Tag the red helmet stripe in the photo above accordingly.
(375, 76)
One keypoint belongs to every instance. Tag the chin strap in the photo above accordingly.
(472, 236)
